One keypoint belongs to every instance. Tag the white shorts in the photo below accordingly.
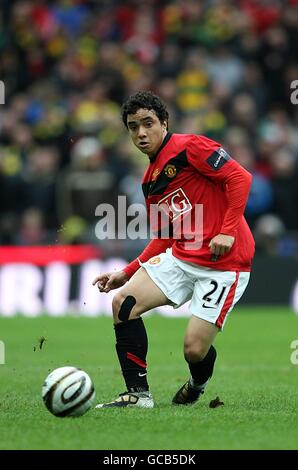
(213, 293)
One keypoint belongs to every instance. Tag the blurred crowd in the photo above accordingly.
(223, 67)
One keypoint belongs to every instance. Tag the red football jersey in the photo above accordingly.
(200, 192)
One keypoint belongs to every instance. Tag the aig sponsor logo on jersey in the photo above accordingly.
(175, 204)
(218, 158)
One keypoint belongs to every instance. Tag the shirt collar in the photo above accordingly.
(164, 142)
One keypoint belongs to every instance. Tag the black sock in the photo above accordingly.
(203, 370)
(132, 347)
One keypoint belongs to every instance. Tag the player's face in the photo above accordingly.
(146, 130)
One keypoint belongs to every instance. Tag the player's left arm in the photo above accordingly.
(212, 161)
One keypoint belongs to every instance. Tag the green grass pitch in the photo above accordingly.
(254, 377)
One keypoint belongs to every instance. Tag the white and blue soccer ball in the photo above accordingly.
(68, 391)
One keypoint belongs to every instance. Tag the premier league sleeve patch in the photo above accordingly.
(218, 158)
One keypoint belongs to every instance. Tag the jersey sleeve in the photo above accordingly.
(213, 162)
(208, 157)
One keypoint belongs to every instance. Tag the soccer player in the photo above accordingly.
(196, 185)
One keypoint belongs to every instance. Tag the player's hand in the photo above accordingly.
(221, 244)
(109, 281)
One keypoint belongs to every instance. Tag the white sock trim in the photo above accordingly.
(196, 386)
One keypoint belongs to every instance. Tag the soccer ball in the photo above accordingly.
(68, 391)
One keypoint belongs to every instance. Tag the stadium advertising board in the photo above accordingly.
(57, 280)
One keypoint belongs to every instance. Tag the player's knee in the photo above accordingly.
(194, 352)
(124, 308)
(117, 301)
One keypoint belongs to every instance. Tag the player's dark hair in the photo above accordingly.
(145, 100)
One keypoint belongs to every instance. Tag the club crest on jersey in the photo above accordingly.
(170, 170)
(218, 158)
(155, 174)
(154, 260)
(175, 204)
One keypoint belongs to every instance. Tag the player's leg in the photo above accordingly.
(200, 356)
(139, 295)
(215, 295)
